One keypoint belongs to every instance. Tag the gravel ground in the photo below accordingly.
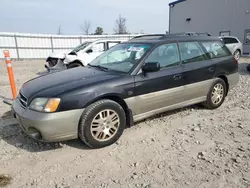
(191, 147)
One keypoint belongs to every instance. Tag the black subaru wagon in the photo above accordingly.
(131, 81)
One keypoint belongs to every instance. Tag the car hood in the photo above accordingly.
(53, 84)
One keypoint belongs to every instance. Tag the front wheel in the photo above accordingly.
(102, 123)
(216, 94)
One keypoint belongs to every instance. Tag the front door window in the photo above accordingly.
(166, 55)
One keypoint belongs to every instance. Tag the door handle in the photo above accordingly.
(211, 69)
(177, 77)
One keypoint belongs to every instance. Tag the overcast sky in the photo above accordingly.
(45, 16)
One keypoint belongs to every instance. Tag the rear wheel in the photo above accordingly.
(102, 124)
(216, 94)
(74, 65)
(248, 67)
(237, 55)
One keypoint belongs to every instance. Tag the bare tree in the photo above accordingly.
(59, 30)
(120, 25)
(86, 27)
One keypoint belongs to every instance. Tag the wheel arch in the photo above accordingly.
(75, 61)
(224, 78)
(237, 49)
(118, 99)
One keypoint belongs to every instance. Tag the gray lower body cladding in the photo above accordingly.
(150, 104)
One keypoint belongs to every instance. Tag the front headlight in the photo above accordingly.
(45, 104)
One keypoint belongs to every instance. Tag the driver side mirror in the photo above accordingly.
(89, 51)
(151, 67)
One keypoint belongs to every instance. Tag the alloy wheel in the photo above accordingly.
(105, 125)
(217, 93)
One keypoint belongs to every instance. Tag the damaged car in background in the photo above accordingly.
(81, 55)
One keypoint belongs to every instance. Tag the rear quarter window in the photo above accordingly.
(216, 49)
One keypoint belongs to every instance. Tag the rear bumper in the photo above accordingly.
(48, 127)
(233, 80)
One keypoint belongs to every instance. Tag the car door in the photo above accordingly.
(97, 49)
(157, 90)
(199, 67)
(198, 70)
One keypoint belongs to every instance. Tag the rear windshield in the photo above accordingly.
(216, 49)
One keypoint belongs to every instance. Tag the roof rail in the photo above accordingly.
(162, 36)
(188, 34)
(148, 36)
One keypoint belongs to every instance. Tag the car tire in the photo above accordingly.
(237, 55)
(216, 94)
(102, 124)
(248, 67)
(74, 65)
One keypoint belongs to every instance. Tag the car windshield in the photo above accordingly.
(81, 47)
(121, 58)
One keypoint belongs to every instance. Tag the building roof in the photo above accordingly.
(175, 2)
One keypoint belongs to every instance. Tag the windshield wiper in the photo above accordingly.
(100, 67)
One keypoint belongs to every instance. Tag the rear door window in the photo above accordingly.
(216, 49)
(191, 52)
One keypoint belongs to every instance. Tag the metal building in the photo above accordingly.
(217, 17)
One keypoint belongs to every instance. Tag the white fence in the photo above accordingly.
(39, 46)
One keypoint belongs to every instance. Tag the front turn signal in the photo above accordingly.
(52, 105)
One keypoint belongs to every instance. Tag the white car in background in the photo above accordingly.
(234, 45)
(80, 55)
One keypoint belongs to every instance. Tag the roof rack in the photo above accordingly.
(162, 36)
(188, 34)
(148, 36)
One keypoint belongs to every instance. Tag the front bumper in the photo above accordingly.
(48, 127)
